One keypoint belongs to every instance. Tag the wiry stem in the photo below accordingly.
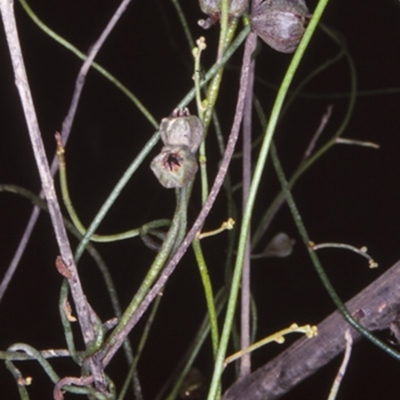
(22, 84)
(66, 129)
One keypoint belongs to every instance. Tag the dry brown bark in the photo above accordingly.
(376, 308)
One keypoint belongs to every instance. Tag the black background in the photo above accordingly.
(351, 195)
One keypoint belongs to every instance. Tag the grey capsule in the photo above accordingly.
(281, 245)
(280, 23)
(182, 129)
(175, 166)
(213, 7)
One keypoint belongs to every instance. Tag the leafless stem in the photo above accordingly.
(21, 81)
(80, 80)
(69, 380)
(245, 362)
(219, 179)
(343, 366)
(375, 307)
(324, 120)
(66, 129)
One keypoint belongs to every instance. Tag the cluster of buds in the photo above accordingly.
(176, 164)
(280, 23)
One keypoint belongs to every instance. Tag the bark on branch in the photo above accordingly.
(376, 307)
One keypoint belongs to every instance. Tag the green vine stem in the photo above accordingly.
(201, 107)
(307, 163)
(146, 113)
(115, 193)
(64, 308)
(183, 21)
(23, 88)
(76, 220)
(205, 278)
(112, 292)
(115, 81)
(70, 227)
(278, 337)
(217, 66)
(35, 354)
(318, 266)
(213, 89)
(142, 342)
(218, 369)
(148, 147)
(362, 251)
(190, 355)
(123, 327)
(154, 139)
(223, 33)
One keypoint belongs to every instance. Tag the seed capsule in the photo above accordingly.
(280, 23)
(182, 129)
(281, 245)
(175, 166)
(213, 7)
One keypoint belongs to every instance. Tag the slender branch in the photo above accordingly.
(21, 356)
(343, 366)
(317, 264)
(22, 84)
(67, 124)
(219, 180)
(126, 324)
(80, 80)
(324, 120)
(245, 362)
(375, 307)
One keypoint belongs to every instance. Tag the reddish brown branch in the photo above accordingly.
(376, 307)
(69, 380)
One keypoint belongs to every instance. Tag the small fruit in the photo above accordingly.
(280, 23)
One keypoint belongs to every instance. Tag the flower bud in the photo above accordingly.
(175, 166)
(280, 23)
(182, 129)
(213, 8)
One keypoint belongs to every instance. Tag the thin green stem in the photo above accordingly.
(152, 274)
(140, 348)
(217, 66)
(115, 193)
(295, 93)
(223, 32)
(146, 113)
(213, 89)
(208, 291)
(201, 45)
(184, 23)
(266, 218)
(112, 292)
(20, 356)
(76, 220)
(252, 195)
(38, 357)
(317, 265)
(362, 252)
(330, 62)
(188, 359)
(150, 144)
(63, 310)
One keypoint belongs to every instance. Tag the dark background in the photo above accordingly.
(351, 195)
